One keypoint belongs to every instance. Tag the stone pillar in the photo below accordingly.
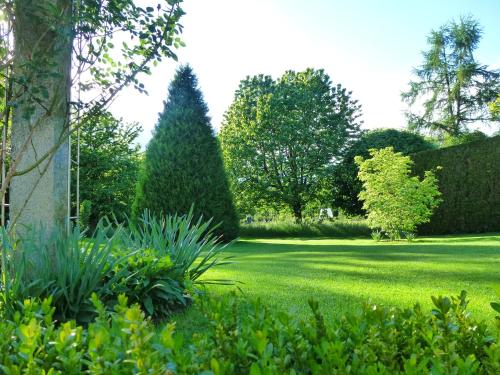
(42, 65)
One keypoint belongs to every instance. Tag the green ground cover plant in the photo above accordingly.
(248, 338)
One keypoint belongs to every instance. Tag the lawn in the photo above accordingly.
(344, 273)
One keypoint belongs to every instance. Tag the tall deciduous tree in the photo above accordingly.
(280, 138)
(455, 88)
(183, 163)
(109, 165)
(345, 183)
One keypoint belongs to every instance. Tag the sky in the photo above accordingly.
(370, 47)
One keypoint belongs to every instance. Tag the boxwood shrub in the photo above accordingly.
(244, 337)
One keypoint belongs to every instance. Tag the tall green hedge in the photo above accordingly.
(470, 183)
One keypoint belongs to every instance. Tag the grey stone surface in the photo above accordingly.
(42, 64)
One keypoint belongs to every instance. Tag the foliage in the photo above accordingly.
(249, 338)
(494, 108)
(377, 235)
(109, 165)
(60, 266)
(183, 163)
(283, 229)
(395, 202)
(85, 212)
(469, 186)
(105, 44)
(345, 183)
(153, 283)
(467, 137)
(154, 263)
(496, 306)
(171, 254)
(456, 89)
(280, 139)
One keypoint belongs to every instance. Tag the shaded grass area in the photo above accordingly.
(286, 229)
(342, 274)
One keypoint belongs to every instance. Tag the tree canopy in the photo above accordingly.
(345, 183)
(109, 165)
(183, 164)
(281, 138)
(454, 87)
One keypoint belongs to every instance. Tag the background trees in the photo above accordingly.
(345, 183)
(183, 164)
(109, 165)
(281, 138)
(455, 88)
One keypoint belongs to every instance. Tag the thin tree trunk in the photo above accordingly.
(297, 211)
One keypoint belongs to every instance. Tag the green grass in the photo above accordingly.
(342, 274)
(340, 228)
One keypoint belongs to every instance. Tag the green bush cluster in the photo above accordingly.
(345, 183)
(395, 201)
(248, 338)
(470, 185)
(155, 263)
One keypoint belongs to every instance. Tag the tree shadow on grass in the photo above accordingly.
(395, 252)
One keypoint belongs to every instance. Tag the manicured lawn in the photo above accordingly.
(344, 273)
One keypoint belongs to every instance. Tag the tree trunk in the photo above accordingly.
(297, 211)
(42, 74)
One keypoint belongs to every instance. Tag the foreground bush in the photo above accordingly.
(169, 255)
(248, 338)
(155, 263)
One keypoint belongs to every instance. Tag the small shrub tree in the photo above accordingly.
(345, 183)
(183, 162)
(395, 201)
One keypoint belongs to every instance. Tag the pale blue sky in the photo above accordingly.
(370, 47)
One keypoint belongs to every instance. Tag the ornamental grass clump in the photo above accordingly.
(65, 267)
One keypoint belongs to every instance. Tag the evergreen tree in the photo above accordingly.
(183, 163)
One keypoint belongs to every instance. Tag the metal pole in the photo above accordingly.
(68, 220)
(78, 165)
(5, 122)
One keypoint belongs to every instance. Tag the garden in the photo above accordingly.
(291, 239)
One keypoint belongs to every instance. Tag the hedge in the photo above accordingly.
(246, 337)
(470, 183)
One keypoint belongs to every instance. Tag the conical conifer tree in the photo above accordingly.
(183, 163)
